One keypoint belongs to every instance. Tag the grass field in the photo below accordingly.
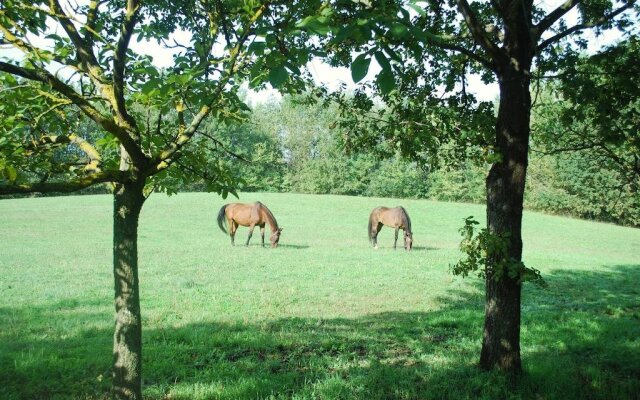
(324, 316)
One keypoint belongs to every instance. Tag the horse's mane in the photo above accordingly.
(273, 224)
(406, 220)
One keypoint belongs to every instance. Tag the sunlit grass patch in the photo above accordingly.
(324, 316)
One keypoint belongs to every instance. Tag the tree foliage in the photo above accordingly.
(78, 69)
(594, 108)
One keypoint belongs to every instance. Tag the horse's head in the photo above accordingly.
(408, 240)
(275, 237)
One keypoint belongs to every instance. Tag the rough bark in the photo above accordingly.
(505, 195)
(127, 339)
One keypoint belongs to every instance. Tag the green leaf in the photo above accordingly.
(386, 82)
(382, 60)
(416, 8)
(360, 67)
(293, 68)
(278, 76)
(344, 33)
(305, 22)
(257, 48)
(150, 85)
(398, 30)
(318, 25)
(320, 28)
(151, 71)
(11, 173)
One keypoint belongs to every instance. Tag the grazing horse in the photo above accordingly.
(248, 215)
(394, 217)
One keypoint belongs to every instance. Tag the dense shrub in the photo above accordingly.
(572, 184)
(466, 183)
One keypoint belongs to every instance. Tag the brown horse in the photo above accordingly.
(248, 215)
(394, 217)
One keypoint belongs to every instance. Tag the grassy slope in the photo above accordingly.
(323, 316)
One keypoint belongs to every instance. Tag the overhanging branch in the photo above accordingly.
(65, 187)
(586, 25)
(81, 102)
(552, 17)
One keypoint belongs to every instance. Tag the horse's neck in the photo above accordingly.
(273, 225)
(406, 221)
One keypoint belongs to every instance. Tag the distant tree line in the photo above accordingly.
(291, 145)
(294, 146)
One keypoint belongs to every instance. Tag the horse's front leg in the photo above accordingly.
(395, 242)
(250, 233)
(262, 234)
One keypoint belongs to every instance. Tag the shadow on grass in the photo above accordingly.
(268, 246)
(585, 330)
(401, 248)
(293, 246)
(424, 248)
(580, 340)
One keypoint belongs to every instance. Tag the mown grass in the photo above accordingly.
(324, 316)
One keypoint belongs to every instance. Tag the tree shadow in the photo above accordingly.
(580, 340)
(590, 335)
(268, 246)
(293, 246)
(424, 248)
(401, 247)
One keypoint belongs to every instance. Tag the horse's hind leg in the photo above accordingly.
(395, 242)
(375, 235)
(250, 233)
(232, 231)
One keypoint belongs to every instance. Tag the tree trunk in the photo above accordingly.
(505, 196)
(127, 339)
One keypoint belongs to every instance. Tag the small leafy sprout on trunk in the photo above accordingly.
(481, 247)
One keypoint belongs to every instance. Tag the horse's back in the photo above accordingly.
(376, 212)
(392, 217)
(243, 214)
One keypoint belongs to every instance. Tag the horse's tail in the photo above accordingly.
(371, 227)
(222, 221)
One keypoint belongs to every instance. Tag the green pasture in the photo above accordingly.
(324, 316)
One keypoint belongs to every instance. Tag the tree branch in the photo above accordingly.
(163, 160)
(119, 61)
(229, 152)
(552, 17)
(64, 187)
(81, 102)
(477, 30)
(84, 52)
(48, 141)
(462, 50)
(94, 156)
(225, 29)
(586, 25)
(92, 16)
(28, 49)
